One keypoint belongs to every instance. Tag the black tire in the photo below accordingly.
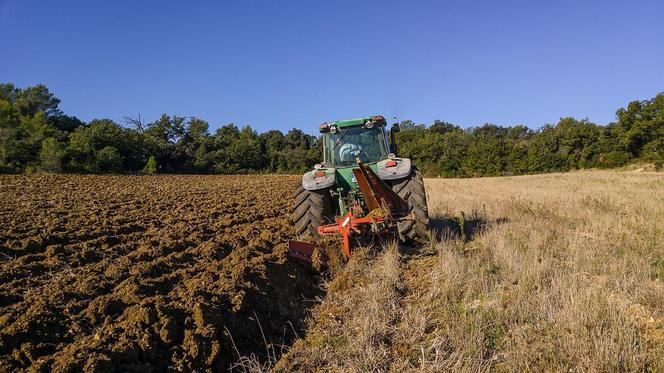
(310, 209)
(411, 189)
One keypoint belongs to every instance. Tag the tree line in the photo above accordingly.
(444, 149)
(35, 135)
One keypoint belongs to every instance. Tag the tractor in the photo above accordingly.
(361, 189)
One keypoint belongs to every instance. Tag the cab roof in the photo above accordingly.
(358, 121)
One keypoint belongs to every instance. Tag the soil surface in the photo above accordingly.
(149, 273)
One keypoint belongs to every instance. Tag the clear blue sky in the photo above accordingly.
(284, 64)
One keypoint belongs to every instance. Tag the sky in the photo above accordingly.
(295, 64)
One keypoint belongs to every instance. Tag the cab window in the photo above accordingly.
(343, 147)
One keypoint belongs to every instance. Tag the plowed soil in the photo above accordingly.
(150, 273)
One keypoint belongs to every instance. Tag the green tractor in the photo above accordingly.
(359, 172)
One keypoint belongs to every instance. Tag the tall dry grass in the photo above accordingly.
(546, 272)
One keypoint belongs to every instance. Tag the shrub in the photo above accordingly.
(151, 167)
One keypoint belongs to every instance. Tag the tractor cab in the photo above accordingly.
(345, 141)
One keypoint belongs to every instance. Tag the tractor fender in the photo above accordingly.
(400, 171)
(309, 182)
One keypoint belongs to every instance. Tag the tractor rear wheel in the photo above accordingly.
(411, 189)
(310, 209)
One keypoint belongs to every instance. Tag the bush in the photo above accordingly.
(614, 158)
(151, 167)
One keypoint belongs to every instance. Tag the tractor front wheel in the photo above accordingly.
(411, 189)
(310, 209)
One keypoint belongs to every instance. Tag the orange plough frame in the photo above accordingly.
(346, 225)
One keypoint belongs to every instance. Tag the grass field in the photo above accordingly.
(540, 273)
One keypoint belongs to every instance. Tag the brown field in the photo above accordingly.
(146, 273)
(117, 273)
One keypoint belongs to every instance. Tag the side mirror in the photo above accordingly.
(393, 138)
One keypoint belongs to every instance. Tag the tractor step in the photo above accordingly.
(303, 251)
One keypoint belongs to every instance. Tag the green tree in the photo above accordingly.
(273, 142)
(227, 134)
(50, 155)
(66, 123)
(442, 128)
(31, 100)
(193, 147)
(109, 159)
(543, 153)
(296, 139)
(167, 129)
(161, 137)
(488, 151)
(31, 132)
(578, 142)
(80, 151)
(9, 124)
(454, 147)
(85, 142)
(642, 128)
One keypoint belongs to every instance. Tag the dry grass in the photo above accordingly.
(358, 317)
(546, 272)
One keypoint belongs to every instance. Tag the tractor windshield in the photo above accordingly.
(343, 147)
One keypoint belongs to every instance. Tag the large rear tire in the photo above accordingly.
(411, 189)
(310, 209)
